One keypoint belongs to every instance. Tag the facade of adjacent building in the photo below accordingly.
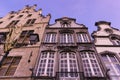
(107, 43)
(21, 31)
(33, 49)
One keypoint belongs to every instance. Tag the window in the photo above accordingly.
(50, 38)
(82, 37)
(112, 63)
(46, 64)
(1, 22)
(68, 63)
(29, 15)
(90, 64)
(30, 21)
(66, 38)
(9, 66)
(10, 17)
(115, 41)
(24, 38)
(3, 37)
(20, 16)
(13, 23)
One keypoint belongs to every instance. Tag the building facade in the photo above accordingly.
(67, 53)
(107, 43)
(20, 38)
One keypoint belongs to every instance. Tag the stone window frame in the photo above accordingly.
(46, 64)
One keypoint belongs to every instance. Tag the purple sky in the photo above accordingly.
(86, 12)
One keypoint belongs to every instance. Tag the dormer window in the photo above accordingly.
(108, 31)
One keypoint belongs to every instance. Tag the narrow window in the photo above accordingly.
(115, 41)
(1, 22)
(9, 66)
(46, 64)
(90, 64)
(20, 16)
(30, 21)
(29, 15)
(10, 17)
(13, 23)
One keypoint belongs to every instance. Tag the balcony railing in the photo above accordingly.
(68, 76)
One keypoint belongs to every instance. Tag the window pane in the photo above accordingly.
(46, 65)
(90, 64)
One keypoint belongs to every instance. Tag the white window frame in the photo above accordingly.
(82, 37)
(46, 65)
(66, 38)
(90, 64)
(50, 37)
(113, 66)
(68, 64)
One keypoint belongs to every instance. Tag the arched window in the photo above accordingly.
(112, 63)
(46, 64)
(90, 64)
(68, 64)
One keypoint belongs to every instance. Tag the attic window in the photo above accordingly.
(1, 22)
(29, 15)
(10, 17)
(20, 16)
(108, 31)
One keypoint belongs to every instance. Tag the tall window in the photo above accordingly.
(9, 66)
(13, 23)
(50, 38)
(90, 64)
(66, 38)
(30, 21)
(82, 37)
(46, 64)
(68, 63)
(112, 63)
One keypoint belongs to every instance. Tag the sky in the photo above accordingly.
(85, 12)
